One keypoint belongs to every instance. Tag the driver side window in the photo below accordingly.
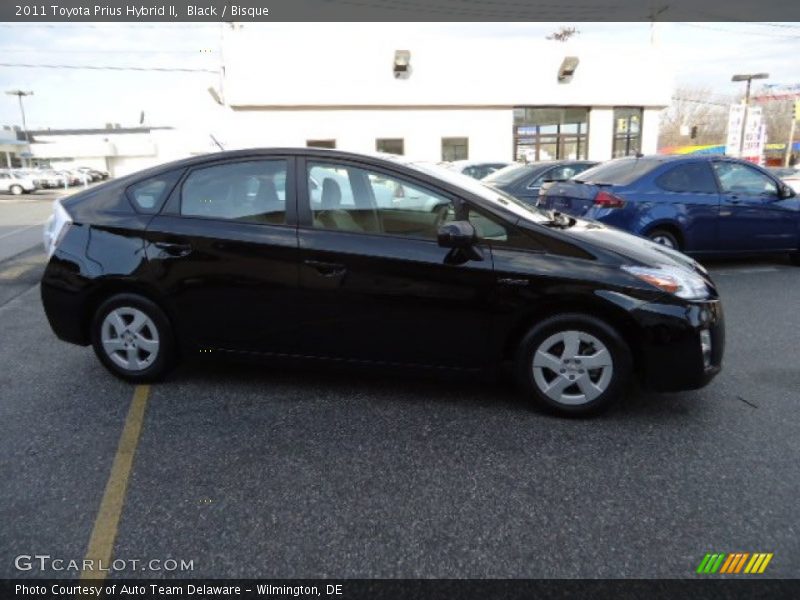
(735, 178)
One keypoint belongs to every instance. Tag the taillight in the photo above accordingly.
(56, 228)
(608, 200)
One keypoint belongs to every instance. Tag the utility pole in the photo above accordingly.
(790, 143)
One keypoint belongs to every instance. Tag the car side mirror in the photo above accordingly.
(456, 234)
(786, 192)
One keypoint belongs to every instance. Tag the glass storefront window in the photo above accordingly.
(550, 133)
(455, 148)
(627, 131)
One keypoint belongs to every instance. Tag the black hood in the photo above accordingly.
(632, 249)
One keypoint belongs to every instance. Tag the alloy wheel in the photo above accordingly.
(130, 338)
(572, 367)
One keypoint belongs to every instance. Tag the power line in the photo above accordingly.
(759, 33)
(104, 51)
(111, 68)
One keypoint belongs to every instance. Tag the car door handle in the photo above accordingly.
(176, 250)
(734, 199)
(326, 269)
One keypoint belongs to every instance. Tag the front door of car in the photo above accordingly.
(224, 252)
(752, 214)
(375, 284)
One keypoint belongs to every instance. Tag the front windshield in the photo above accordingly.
(490, 194)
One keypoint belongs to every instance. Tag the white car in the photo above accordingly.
(10, 183)
(477, 169)
(790, 176)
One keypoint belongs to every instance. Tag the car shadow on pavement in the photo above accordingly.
(391, 386)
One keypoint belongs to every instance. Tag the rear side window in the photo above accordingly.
(508, 175)
(691, 177)
(147, 196)
(621, 171)
(249, 191)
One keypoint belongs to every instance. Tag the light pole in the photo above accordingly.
(20, 94)
(748, 77)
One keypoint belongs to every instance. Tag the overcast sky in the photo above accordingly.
(705, 54)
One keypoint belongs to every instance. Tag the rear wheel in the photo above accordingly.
(16, 190)
(665, 238)
(573, 364)
(133, 339)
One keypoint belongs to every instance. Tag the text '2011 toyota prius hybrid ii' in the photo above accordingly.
(319, 254)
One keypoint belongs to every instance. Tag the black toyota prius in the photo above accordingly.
(324, 255)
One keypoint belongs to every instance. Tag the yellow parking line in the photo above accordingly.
(101, 544)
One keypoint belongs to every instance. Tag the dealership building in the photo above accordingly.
(434, 96)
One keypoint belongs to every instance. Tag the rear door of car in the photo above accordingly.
(224, 253)
(685, 195)
(375, 284)
(753, 217)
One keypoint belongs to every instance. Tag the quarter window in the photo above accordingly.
(251, 191)
(736, 178)
(693, 177)
(147, 196)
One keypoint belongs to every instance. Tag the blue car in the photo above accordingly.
(710, 205)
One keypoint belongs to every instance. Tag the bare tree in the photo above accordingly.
(563, 34)
(693, 110)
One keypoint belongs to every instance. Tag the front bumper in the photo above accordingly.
(672, 357)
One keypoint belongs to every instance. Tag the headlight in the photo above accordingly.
(682, 283)
(55, 228)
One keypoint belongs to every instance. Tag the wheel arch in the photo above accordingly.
(670, 226)
(112, 287)
(615, 316)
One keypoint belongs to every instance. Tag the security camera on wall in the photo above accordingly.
(402, 64)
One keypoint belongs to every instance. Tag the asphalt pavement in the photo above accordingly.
(254, 471)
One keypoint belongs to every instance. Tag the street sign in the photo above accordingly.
(735, 121)
(754, 135)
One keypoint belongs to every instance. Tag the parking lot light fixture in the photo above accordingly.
(21, 94)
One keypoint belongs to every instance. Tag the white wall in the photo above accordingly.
(489, 131)
(350, 64)
(650, 123)
(601, 133)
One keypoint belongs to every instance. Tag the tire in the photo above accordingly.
(133, 338)
(16, 190)
(664, 237)
(544, 360)
(794, 258)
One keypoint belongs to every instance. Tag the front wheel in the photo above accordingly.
(573, 364)
(664, 237)
(133, 339)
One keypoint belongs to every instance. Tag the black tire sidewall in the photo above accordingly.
(616, 345)
(664, 233)
(166, 351)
